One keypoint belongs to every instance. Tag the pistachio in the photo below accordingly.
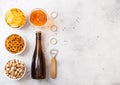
(14, 69)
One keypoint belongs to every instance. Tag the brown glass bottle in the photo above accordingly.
(38, 67)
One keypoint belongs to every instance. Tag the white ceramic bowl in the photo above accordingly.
(22, 74)
(19, 26)
(21, 50)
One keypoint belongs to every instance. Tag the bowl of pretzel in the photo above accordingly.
(15, 44)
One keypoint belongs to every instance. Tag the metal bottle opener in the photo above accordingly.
(53, 65)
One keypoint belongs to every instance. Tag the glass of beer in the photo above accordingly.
(38, 17)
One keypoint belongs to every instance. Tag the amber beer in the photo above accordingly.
(38, 17)
(38, 67)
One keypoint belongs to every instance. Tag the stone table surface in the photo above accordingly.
(88, 38)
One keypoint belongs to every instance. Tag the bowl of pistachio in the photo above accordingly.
(15, 69)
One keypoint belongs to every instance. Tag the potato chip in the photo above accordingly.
(15, 18)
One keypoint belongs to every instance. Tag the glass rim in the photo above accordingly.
(42, 11)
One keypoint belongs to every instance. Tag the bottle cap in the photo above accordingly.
(53, 28)
(54, 15)
(53, 41)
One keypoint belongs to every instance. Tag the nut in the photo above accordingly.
(14, 69)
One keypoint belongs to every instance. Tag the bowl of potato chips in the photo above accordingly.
(15, 18)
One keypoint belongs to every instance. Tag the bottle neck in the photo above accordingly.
(38, 35)
(38, 40)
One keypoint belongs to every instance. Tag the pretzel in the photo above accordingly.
(14, 43)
